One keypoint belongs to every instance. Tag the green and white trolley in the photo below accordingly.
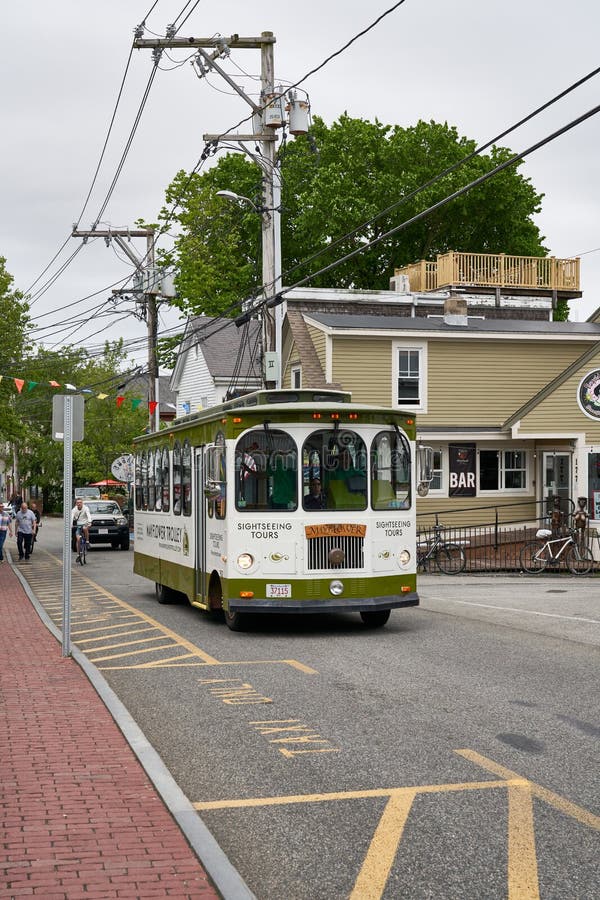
(282, 501)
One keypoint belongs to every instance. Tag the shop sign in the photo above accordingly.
(462, 470)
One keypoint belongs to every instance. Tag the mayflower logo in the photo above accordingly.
(278, 557)
(588, 394)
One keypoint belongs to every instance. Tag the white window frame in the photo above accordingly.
(442, 491)
(296, 372)
(408, 346)
(501, 489)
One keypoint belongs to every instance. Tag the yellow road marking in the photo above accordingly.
(358, 795)
(133, 653)
(106, 637)
(132, 612)
(147, 640)
(379, 860)
(96, 630)
(522, 862)
(565, 806)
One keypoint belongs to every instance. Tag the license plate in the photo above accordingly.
(103, 531)
(279, 590)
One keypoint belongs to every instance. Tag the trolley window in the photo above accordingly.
(138, 481)
(186, 477)
(165, 481)
(144, 480)
(334, 470)
(151, 480)
(158, 479)
(177, 478)
(390, 471)
(266, 471)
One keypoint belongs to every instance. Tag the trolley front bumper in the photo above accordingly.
(335, 604)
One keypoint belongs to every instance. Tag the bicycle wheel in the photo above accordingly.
(533, 557)
(579, 560)
(450, 559)
(83, 547)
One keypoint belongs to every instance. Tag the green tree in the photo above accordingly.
(14, 315)
(108, 432)
(332, 181)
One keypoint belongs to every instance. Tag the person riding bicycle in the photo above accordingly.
(81, 519)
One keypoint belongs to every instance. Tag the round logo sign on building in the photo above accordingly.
(588, 394)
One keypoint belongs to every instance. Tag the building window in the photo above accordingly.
(503, 470)
(296, 378)
(409, 376)
(437, 483)
(594, 485)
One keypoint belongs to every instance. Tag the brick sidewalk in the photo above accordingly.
(80, 817)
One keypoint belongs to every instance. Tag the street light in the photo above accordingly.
(239, 198)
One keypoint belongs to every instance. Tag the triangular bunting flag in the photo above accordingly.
(70, 387)
(136, 402)
(54, 384)
(19, 384)
(120, 401)
(101, 396)
(152, 404)
(31, 385)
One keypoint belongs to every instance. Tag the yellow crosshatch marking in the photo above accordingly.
(522, 868)
(86, 595)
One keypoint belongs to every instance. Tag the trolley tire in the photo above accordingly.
(375, 618)
(450, 559)
(531, 563)
(235, 621)
(579, 560)
(165, 594)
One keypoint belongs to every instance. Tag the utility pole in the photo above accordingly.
(267, 117)
(150, 288)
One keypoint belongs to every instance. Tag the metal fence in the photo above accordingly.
(495, 546)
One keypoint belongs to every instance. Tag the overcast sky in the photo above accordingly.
(477, 65)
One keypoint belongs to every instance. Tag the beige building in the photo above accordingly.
(508, 398)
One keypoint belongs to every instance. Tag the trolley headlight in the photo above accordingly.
(245, 560)
(404, 558)
(336, 587)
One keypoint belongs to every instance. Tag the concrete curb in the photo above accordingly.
(224, 875)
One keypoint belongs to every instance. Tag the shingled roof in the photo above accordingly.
(220, 340)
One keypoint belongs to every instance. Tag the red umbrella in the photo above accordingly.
(108, 482)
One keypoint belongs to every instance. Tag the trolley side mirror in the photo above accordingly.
(424, 469)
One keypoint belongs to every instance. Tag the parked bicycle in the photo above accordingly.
(547, 551)
(449, 558)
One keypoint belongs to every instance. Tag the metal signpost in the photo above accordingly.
(67, 426)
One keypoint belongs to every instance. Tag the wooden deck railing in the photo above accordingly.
(493, 270)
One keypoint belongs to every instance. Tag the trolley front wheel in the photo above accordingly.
(579, 560)
(236, 621)
(450, 559)
(533, 558)
(375, 618)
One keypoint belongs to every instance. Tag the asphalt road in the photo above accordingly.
(452, 754)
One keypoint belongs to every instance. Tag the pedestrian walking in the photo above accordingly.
(38, 522)
(5, 528)
(26, 527)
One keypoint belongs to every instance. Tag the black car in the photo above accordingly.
(109, 525)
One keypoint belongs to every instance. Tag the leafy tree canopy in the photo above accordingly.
(108, 430)
(14, 315)
(337, 178)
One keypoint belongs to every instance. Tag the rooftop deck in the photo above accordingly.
(540, 273)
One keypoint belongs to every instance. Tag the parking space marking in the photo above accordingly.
(522, 864)
(584, 816)
(86, 594)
